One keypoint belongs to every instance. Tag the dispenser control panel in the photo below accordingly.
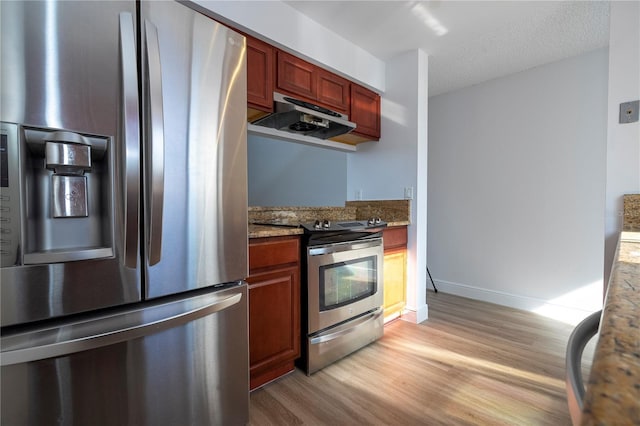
(9, 196)
(4, 162)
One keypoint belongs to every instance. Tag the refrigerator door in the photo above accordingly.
(180, 362)
(60, 66)
(69, 66)
(194, 138)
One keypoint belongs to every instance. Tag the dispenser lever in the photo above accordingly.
(69, 156)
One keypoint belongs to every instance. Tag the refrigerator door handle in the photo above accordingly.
(108, 330)
(131, 136)
(155, 142)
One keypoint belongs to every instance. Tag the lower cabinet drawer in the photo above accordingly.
(269, 252)
(395, 237)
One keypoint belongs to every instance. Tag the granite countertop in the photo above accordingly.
(613, 390)
(394, 212)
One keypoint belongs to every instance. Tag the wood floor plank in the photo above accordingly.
(471, 363)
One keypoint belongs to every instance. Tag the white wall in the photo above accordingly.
(381, 170)
(516, 187)
(290, 174)
(623, 140)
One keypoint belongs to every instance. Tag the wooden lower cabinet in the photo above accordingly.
(395, 271)
(274, 307)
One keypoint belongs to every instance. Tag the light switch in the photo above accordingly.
(629, 112)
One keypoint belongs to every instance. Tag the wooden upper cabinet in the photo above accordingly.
(365, 112)
(260, 69)
(270, 69)
(333, 91)
(297, 77)
(308, 82)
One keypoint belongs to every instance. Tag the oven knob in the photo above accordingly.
(316, 225)
(326, 224)
(371, 221)
(378, 220)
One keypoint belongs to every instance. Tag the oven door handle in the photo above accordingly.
(353, 326)
(335, 248)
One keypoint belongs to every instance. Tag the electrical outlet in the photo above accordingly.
(408, 193)
(629, 112)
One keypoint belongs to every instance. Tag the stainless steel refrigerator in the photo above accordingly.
(123, 211)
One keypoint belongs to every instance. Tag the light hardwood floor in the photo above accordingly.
(471, 363)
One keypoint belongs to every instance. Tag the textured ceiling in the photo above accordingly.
(468, 42)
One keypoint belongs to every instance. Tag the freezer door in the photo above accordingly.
(177, 363)
(194, 138)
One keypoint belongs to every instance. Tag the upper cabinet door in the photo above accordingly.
(297, 77)
(365, 111)
(309, 82)
(333, 91)
(260, 65)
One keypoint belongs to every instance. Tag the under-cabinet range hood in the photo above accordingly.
(304, 118)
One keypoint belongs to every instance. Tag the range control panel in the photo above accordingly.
(9, 195)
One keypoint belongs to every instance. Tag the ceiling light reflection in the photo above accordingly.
(421, 12)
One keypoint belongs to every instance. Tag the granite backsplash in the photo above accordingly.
(391, 211)
(631, 220)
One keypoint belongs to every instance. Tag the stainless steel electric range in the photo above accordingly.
(342, 297)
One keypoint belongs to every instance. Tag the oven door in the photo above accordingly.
(344, 280)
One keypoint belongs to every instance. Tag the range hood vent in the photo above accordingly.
(303, 118)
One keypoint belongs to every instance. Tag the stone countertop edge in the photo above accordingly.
(613, 390)
(265, 231)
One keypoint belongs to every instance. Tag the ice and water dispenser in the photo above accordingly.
(57, 201)
(69, 156)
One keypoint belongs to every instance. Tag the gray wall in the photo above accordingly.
(623, 140)
(291, 174)
(382, 170)
(516, 187)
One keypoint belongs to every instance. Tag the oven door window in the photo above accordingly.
(347, 282)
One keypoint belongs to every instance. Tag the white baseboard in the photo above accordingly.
(567, 314)
(416, 316)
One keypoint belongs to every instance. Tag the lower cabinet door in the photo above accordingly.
(274, 323)
(395, 267)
